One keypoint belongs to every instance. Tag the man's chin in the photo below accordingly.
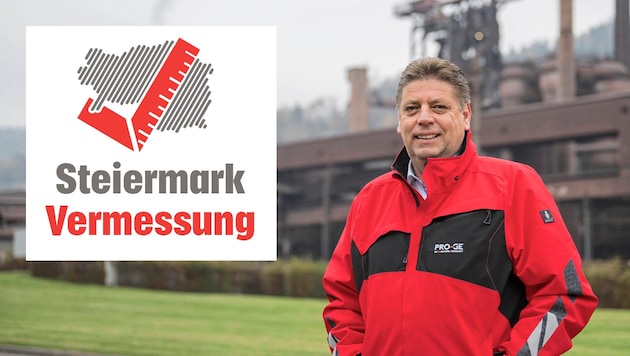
(423, 154)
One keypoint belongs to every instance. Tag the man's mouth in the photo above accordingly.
(425, 137)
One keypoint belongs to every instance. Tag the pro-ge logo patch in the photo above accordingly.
(455, 247)
(168, 82)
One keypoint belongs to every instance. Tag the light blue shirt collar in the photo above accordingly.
(416, 182)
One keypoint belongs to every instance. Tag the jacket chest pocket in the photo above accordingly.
(387, 254)
(460, 245)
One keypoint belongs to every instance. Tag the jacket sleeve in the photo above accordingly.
(560, 300)
(342, 315)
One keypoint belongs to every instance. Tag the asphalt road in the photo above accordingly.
(6, 350)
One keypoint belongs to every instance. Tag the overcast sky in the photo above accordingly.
(317, 40)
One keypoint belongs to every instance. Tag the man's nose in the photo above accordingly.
(425, 116)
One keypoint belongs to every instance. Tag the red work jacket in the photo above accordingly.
(485, 265)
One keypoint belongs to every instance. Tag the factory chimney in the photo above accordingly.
(622, 32)
(566, 56)
(359, 104)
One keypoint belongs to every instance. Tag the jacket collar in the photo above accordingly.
(440, 173)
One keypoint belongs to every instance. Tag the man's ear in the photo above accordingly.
(467, 112)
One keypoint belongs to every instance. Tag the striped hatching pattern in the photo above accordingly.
(122, 79)
(190, 102)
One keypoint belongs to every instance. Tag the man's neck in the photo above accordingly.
(418, 167)
(419, 164)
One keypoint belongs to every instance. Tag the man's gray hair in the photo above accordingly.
(435, 68)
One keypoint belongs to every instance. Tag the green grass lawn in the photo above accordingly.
(41, 313)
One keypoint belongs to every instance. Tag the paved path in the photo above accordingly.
(6, 350)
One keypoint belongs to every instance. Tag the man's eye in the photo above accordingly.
(411, 108)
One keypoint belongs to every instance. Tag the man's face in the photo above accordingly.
(430, 120)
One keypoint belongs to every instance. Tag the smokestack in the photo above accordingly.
(359, 99)
(622, 32)
(566, 57)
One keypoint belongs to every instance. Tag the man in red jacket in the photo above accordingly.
(452, 253)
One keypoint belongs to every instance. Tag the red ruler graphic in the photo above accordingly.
(152, 105)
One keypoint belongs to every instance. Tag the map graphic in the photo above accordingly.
(167, 82)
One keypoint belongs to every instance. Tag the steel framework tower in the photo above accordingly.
(467, 32)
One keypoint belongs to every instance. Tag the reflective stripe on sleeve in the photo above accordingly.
(543, 331)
